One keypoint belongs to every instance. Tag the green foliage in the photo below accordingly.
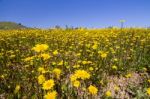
(11, 25)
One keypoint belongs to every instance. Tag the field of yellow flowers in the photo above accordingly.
(75, 64)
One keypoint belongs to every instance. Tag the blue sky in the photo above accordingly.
(86, 13)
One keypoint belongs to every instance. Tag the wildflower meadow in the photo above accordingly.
(75, 63)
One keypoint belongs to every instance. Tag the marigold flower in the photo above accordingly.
(45, 56)
(82, 74)
(148, 91)
(41, 79)
(84, 62)
(128, 75)
(116, 88)
(73, 77)
(41, 70)
(51, 95)
(48, 84)
(60, 63)
(95, 46)
(104, 55)
(108, 94)
(28, 59)
(55, 52)
(76, 83)
(114, 67)
(57, 72)
(93, 90)
(40, 47)
(17, 89)
(91, 69)
(115, 59)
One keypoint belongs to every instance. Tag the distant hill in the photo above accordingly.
(11, 25)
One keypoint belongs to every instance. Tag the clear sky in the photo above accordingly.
(86, 13)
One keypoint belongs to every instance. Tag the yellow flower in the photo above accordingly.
(104, 55)
(55, 52)
(113, 52)
(116, 88)
(57, 72)
(40, 47)
(100, 52)
(73, 77)
(115, 59)
(95, 46)
(41, 70)
(114, 67)
(53, 63)
(2, 76)
(82, 74)
(48, 84)
(93, 90)
(148, 91)
(89, 62)
(76, 83)
(17, 89)
(28, 59)
(148, 80)
(41, 79)
(84, 62)
(91, 69)
(50, 95)
(128, 75)
(45, 56)
(108, 93)
(78, 54)
(76, 66)
(60, 63)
